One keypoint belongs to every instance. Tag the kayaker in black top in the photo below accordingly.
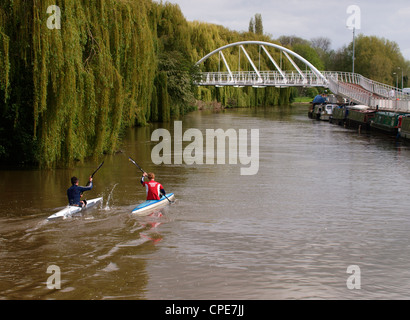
(75, 192)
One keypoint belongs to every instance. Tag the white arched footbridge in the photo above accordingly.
(351, 86)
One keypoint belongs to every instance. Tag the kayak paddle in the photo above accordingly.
(92, 175)
(136, 164)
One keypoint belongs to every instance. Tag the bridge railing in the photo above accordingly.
(261, 78)
(377, 88)
(349, 90)
(374, 94)
(307, 78)
(396, 105)
(352, 86)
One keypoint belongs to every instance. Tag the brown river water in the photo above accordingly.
(324, 199)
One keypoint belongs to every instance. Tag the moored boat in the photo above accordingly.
(317, 111)
(405, 128)
(327, 111)
(310, 112)
(360, 116)
(339, 115)
(322, 111)
(389, 122)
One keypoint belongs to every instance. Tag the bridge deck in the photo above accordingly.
(353, 87)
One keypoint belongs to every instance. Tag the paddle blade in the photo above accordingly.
(136, 164)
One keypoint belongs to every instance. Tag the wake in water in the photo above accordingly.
(107, 205)
(147, 232)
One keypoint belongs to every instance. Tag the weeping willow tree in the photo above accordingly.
(77, 86)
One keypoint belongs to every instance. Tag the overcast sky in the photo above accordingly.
(308, 19)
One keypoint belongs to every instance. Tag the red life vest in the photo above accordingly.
(153, 189)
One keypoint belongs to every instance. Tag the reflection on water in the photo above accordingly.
(324, 198)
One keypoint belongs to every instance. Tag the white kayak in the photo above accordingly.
(70, 210)
(149, 206)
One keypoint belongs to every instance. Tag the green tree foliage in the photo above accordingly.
(251, 26)
(256, 24)
(178, 71)
(323, 49)
(290, 41)
(310, 54)
(375, 58)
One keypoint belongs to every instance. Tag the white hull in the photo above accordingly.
(149, 206)
(71, 210)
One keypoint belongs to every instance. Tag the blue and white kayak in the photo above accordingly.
(71, 210)
(149, 206)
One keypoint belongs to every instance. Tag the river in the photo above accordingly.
(324, 199)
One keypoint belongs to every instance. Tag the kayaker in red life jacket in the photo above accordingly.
(153, 188)
(75, 192)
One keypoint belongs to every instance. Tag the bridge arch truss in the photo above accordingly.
(277, 77)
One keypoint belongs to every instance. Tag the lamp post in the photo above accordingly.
(397, 79)
(354, 31)
(401, 77)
